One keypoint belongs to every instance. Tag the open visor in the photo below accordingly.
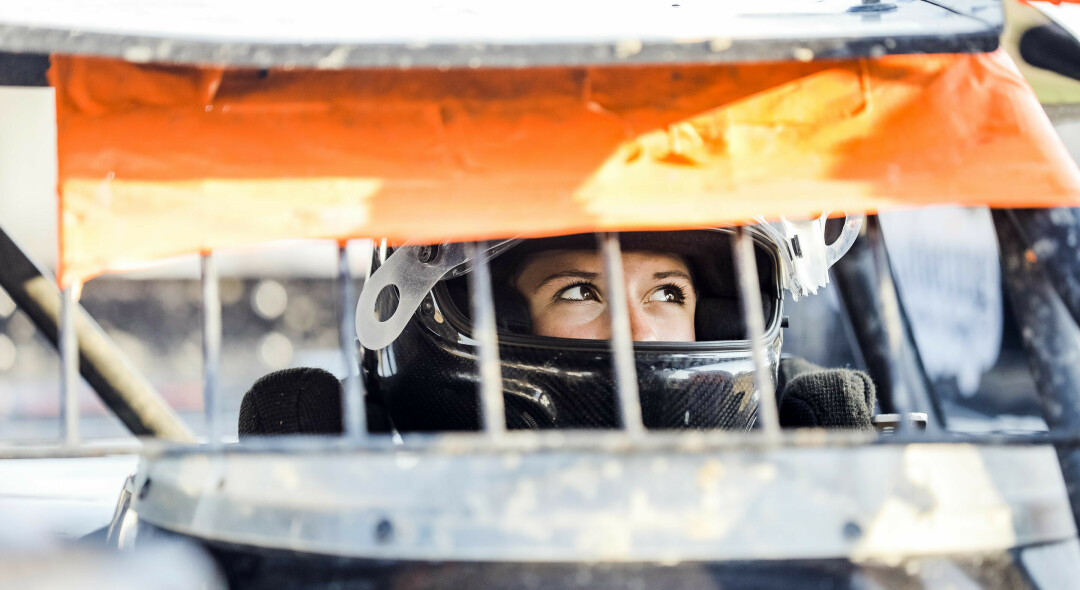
(411, 272)
(681, 285)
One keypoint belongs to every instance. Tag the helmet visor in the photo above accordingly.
(680, 287)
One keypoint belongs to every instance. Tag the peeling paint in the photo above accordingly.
(139, 54)
(803, 54)
(334, 60)
(720, 44)
(627, 48)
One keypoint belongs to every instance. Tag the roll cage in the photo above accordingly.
(196, 490)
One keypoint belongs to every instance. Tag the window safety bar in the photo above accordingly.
(867, 288)
(352, 399)
(622, 345)
(69, 366)
(902, 397)
(1044, 303)
(492, 409)
(211, 349)
(754, 318)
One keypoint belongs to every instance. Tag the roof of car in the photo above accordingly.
(333, 34)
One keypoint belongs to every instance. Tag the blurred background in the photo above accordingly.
(278, 302)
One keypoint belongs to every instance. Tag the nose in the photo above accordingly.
(641, 329)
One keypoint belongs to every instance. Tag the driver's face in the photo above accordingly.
(567, 295)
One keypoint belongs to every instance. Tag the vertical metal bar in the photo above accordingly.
(1052, 227)
(211, 342)
(622, 343)
(492, 409)
(369, 255)
(352, 399)
(867, 290)
(1051, 335)
(69, 367)
(891, 319)
(754, 317)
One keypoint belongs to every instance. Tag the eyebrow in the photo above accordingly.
(667, 274)
(592, 276)
(571, 274)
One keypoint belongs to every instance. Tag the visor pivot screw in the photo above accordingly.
(427, 254)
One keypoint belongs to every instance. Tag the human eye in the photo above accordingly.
(578, 292)
(668, 294)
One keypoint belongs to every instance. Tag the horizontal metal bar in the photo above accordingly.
(470, 34)
(798, 503)
(517, 441)
(96, 448)
(613, 441)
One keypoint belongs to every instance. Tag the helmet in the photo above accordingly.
(420, 358)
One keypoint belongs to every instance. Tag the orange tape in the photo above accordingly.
(157, 161)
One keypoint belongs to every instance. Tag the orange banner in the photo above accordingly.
(157, 161)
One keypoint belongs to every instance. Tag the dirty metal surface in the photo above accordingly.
(858, 503)
(1038, 255)
(485, 33)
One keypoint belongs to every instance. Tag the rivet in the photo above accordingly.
(384, 531)
(427, 254)
(852, 531)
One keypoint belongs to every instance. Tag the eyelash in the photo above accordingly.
(679, 290)
(559, 293)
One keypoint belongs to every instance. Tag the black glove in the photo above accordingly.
(299, 401)
(814, 397)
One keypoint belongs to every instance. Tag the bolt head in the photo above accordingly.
(427, 254)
